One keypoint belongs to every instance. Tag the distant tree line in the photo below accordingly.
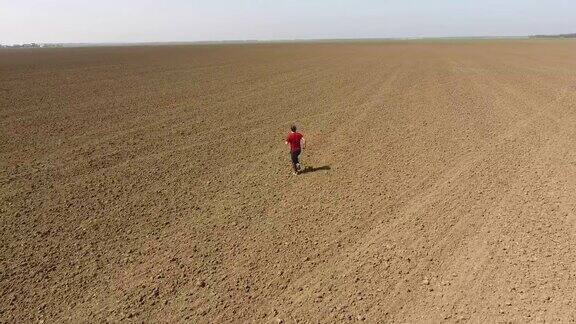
(556, 36)
(31, 45)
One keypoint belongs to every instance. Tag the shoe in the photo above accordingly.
(298, 166)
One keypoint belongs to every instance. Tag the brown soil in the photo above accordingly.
(152, 183)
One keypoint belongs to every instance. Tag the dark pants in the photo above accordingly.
(295, 155)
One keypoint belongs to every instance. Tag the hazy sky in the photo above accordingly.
(178, 20)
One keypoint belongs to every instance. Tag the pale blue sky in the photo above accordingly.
(178, 20)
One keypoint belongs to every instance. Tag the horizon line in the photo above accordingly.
(284, 40)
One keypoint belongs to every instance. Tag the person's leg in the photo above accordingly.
(294, 155)
(298, 160)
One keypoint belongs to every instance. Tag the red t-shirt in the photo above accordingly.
(294, 141)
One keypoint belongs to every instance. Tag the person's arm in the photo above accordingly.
(303, 143)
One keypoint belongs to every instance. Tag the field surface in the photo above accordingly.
(153, 184)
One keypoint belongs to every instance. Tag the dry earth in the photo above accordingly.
(153, 184)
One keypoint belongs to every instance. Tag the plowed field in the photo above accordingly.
(153, 184)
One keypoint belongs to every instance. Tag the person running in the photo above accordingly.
(296, 142)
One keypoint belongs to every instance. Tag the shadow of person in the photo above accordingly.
(309, 169)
